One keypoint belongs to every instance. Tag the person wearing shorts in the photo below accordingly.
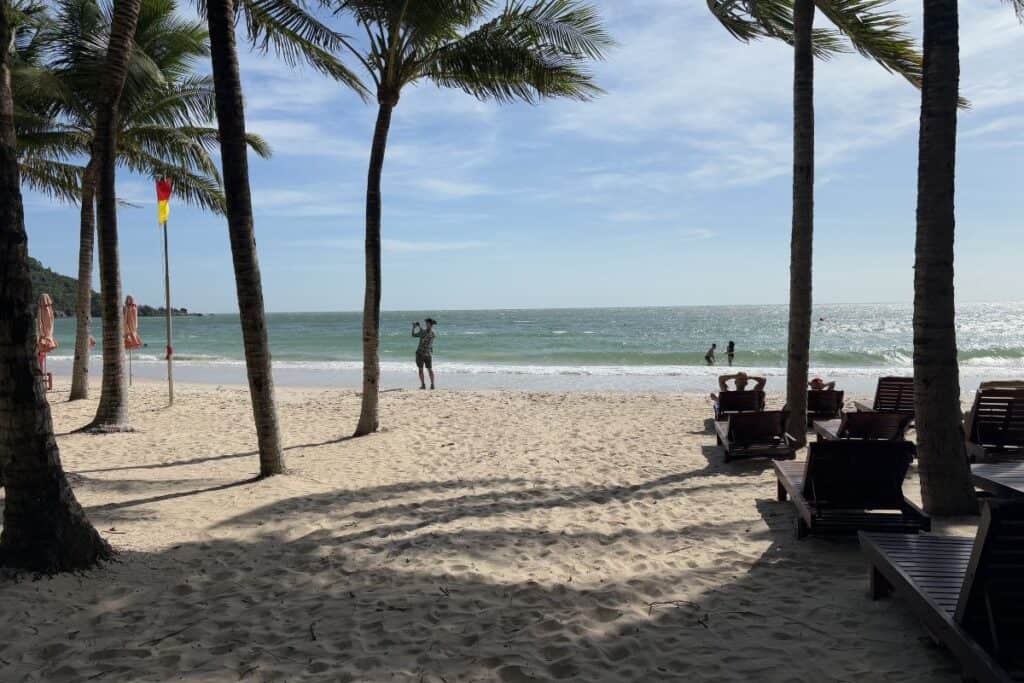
(425, 350)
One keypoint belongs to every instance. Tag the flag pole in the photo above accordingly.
(167, 304)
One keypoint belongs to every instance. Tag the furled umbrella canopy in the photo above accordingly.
(132, 340)
(46, 342)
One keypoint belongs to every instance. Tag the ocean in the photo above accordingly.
(635, 349)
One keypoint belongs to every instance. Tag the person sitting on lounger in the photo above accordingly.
(818, 384)
(740, 381)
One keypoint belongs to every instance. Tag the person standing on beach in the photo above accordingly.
(425, 351)
(730, 351)
(710, 355)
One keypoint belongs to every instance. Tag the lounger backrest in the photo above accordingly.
(997, 418)
(825, 402)
(895, 394)
(857, 475)
(757, 428)
(991, 601)
(876, 426)
(740, 401)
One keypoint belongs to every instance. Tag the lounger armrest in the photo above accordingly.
(911, 509)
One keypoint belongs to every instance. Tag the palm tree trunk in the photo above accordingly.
(368, 415)
(112, 413)
(83, 304)
(231, 125)
(44, 527)
(802, 238)
(945, 476)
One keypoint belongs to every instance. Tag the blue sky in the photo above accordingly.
(671, 189)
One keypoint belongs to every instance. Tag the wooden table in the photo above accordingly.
(1005, 480)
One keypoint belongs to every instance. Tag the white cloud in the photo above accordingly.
(303, 203)
(441, 188)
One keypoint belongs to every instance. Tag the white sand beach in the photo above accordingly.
(481, 536)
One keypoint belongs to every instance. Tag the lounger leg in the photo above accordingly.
(781, 494)
(879, 586)
(802, 530)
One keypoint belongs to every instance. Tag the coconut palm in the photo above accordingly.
(44, 527)
(525, 52)
(945, 476)
(164, 118)
(875, 33)
(295, 35)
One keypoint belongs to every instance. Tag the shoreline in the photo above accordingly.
(550, 379)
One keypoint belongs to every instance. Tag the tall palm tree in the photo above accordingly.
(44, 527)
(876, 34)
(526, 52)
(945, 476)
(294, 35)
(112, 412)
(164, 116)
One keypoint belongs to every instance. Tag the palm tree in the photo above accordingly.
(525, 53)
(112, 412)
(44, 529)
(945, 476)
(874, 33)
(294, 35)
(163, 114)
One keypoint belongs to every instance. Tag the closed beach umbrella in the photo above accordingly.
(131, 325)
(46, 341)
(132, 340)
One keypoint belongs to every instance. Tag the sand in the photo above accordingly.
(479, 537)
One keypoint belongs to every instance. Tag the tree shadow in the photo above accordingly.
(213, 458)
(509, 604)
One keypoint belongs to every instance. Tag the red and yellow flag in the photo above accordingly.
(163, 199)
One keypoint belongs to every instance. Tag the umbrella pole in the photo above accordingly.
(167, 304)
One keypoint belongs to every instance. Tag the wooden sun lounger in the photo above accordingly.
(995, 425)
(824, 405)
(848, 486)
(893, 395)
(865, 427)
(755, 435)
(732, 402)
(969, 594)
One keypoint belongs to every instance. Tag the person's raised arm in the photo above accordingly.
(416, 330)
(830, 386)
(722, 379)
(759, 383)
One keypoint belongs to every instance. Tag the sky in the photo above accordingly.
(672, 188)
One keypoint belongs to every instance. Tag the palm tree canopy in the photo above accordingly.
(525, 52)
(166, 108)
(871, 29)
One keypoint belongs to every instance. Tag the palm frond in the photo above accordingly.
(195, 189)
(749, 20)
(1018, 7)
(527, 53)
(56, 179)
(288, 29)
(877, 33)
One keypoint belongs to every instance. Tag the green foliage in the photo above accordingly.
(870, 28)
(64, 290)
(526, 52)
(61, 288)
(166, 110)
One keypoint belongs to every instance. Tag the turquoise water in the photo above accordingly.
(861, 339)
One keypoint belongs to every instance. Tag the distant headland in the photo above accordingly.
(64, 291)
